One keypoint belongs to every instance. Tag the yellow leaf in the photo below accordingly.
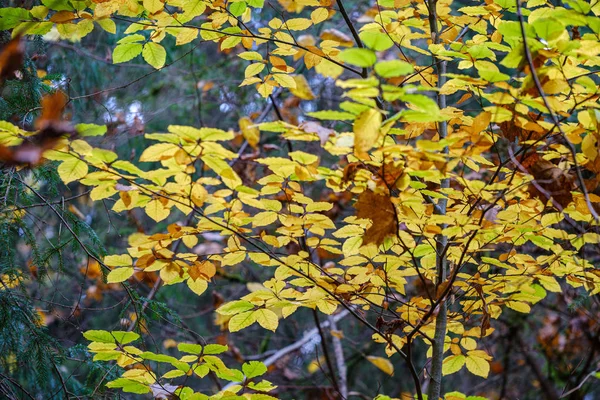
(170, 272)
(186, 35)
(190, 240)
(250, 133)
(264, 218)
(366, 131)
(154, 54)
(478, 366)
(241, 321)
(156, 210)
(298, 24)
(223, 170)
(198, 286)
(302, 89)
(267, 319)
(264, 90)
(453, 364)
(383, 364)
(72, 169)
(319, 15)
(519, 306)
(122, 260)
(160, 151)
(199, 194)
(119, 275)
(153, 5)
(253, 69)
(285, 80)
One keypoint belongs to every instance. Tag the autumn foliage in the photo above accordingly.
(454, 182)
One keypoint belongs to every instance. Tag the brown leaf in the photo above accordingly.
(11, 58)
(51, 128)
(550, 181)
(381, 211)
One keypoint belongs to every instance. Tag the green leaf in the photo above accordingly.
(58, 5)
(90, 129)
(237, 9)
(215, 349)
(393, 68)
(359, 57)
(11, 17)
(107, 24)
(378, 41)
(125, 52)
(147, 355)
(332, 115)
(154, 54)
(253, 369)
(121, 337)
(189, 348)
(548, 28)
(129, 386)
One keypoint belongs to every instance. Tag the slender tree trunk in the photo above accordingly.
(435, 385)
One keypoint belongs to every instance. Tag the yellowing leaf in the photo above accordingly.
(186, 35)
(251, 133)
(154, 54)
(285, 80)
(319, 15)
(297, 24)
(267, 319)
(197, 286)
(478, 366)
(264, 218)
(153, 5)
(72, 169)
(519, 306)
(453, 364)
(253, 69)
(123, 260)
(119, 275)
(126, 52)
(156, 210)
(241, 321)
(383, 364)
(366, 131)
(302, 90)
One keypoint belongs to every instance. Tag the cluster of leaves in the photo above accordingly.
(199, 361)
(487, 210)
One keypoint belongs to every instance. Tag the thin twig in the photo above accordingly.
(540, 90)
